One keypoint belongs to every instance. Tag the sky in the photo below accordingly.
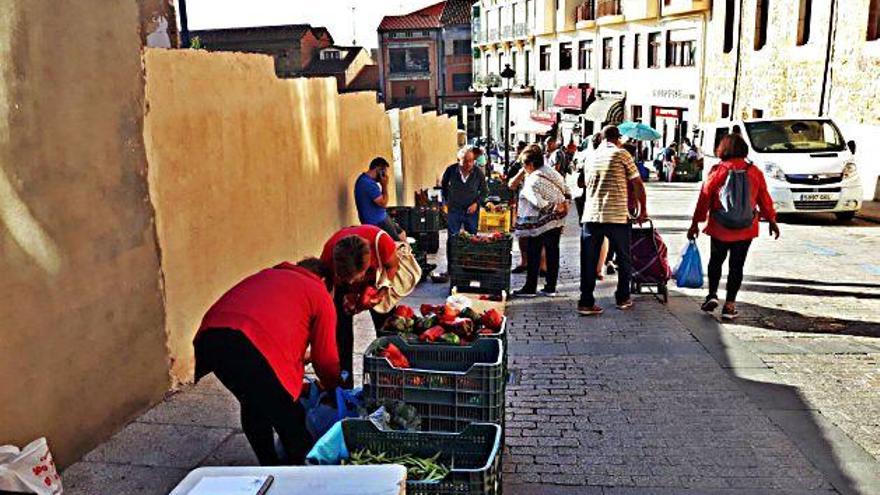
(336, 15)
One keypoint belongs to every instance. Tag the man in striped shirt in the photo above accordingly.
(607, 215)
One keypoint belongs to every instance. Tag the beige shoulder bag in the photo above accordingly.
(408, 275)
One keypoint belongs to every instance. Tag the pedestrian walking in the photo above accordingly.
(733, 199)
(371, 199)
(464, 188)
(670, 160)
(555, 156)
(607, 215)
(352, 257)
(541, 211)
(257, 338)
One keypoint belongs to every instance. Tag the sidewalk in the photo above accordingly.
(870, 211)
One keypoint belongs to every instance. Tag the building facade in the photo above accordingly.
(292, 47)
(345, 63)
(425, 59)
(774, 58)
(581, 64)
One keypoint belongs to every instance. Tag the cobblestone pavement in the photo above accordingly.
(660, 400)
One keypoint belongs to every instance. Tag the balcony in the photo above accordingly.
(520, 30)
(507, 32)
(477, 37)
(482, 81)
(402, 102)
(609, 12)
(585, 15)
(493, 36)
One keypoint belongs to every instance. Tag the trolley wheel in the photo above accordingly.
(664, 292)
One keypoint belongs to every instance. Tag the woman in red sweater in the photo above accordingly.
(255, 340)
(733, 151)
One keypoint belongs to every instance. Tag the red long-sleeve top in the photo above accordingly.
(711, 201)
(283, 311)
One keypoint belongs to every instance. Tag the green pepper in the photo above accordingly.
(451, 338)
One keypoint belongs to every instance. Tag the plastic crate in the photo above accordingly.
(424, 219)
(473, 456)
(480, 281)
(427, 242)
(450, 386)
(499, 188)
(501, 334)
(402, 216)
(491, 256)
(491, 221)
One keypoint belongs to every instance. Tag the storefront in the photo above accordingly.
(607, 109)
(569, 103)
(671, 123)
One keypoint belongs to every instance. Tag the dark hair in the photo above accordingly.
(533, 155)
(597, 140)
(378, 162)
(315, 266)
(348, 256)
(732, 146)
(611, 133)
(521, 146)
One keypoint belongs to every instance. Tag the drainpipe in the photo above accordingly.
(738, 62)
(829, 53)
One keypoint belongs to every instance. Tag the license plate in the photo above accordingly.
(818, 197)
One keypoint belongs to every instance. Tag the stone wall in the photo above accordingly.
(82, 345)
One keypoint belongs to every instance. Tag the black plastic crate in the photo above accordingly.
(473, 456)
(479, 280)
(450, 386)
(490, 256)
(402, 216)
(424, 219)
(427, 242)
(499, 189)
(500, 334)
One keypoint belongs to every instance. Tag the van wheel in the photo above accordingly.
(845, 216)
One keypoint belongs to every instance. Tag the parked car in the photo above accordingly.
(809, 166)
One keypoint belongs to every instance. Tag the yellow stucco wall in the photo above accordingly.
(82, 343)
(246, 170)
(428, 144)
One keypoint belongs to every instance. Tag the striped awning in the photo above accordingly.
(605, 111)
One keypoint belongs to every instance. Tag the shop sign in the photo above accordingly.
(570, 118)
(671, 113)
(450, 106)
(543, 116)
(672, 94)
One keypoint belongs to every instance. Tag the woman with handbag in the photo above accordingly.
(541, 211)
(369, 271)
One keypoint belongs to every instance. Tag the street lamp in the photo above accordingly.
(488, 94)
(507, 74)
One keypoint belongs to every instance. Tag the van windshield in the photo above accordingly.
(794, 136)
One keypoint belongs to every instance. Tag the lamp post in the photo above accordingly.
(488, 94)
(507, 74)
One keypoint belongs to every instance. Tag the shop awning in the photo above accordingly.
(531, 126)
(605, 111)
(569, 97)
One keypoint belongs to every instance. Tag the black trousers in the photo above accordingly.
(549, 243)
(592, 236)
(345, 335)
(266, 406)
(738, 251)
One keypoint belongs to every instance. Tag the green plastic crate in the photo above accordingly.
(450, 386)
(473, 456)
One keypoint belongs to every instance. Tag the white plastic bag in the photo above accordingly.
(29, 470)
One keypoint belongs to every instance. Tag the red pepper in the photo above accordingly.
(369, 297)
(432, 334)
(404, 312)
(492, 319)
(395, 356)
(431, 309)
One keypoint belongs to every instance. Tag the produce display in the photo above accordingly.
(485, 237)
(395, 414)
(417, 468)
(493, 208)
(394, 356)
(440, 324)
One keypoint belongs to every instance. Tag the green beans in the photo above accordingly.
(417, 468)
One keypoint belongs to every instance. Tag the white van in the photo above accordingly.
(808, 165)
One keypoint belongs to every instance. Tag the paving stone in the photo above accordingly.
(146, 444)
(220, 410)
(234, 451)
(94, 478)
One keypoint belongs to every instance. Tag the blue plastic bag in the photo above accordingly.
(689, 273)
(330, 449)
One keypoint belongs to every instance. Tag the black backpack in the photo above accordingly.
(736, 210)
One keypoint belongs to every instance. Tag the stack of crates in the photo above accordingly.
(499, 189)
(482, 267)
(495, 221)
(423, 224)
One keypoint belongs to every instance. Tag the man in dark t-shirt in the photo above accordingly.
(371, 198)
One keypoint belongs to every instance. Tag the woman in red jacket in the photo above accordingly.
(255, 340)
(733, 151)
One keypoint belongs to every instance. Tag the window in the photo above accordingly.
(725, 110)
(405, 60)
(585, 55)
(874, 20)
(804, 14)
(461, 47)
(729, 11)
(409, 91)
(637, 47)
(757, 113)
(513, 62)
(761, 12)
(528, 64)
(565, 56)
(488, 64)
(636, 113)
(329, 55)
(500, 64)
(719, 135)
(654, 50)
(461, 82)
(544, 58)
(606, 53)
(795, 136)
(680, 48)
(620, 50)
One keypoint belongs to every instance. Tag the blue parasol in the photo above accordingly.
(638, 131)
